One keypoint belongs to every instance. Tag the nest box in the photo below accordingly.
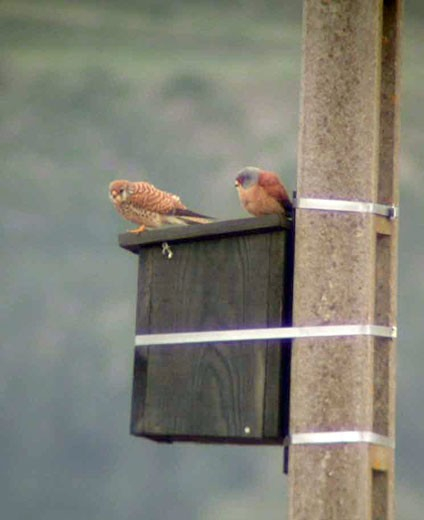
(221, 276)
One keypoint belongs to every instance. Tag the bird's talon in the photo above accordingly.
(140, 229)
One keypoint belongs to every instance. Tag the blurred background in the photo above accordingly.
(182, 94)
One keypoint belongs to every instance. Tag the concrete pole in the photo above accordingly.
(345, 264)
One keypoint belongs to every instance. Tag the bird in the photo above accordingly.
(149, 207)
(262, 192)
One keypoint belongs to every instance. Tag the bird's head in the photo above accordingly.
(247, 177)
(119, 191)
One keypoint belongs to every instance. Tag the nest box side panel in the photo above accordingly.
(228, 391)
(278, 353)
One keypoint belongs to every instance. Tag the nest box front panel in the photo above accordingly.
(217, 391)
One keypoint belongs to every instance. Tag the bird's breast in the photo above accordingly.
(258, 202)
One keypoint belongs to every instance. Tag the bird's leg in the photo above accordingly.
(140, 229)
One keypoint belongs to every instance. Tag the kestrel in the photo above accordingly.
(262, 192)
(149, 207)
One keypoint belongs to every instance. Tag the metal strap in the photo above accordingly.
(386, 210)
(341, 437)
(218, 336)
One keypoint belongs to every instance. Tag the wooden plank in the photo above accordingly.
(139, 388)
(213, 391)
(216, 392)
(132, 241)
(277, 357)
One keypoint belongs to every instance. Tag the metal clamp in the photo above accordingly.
(218, 336)
(340, 437)
(167, 251)
(386, 210)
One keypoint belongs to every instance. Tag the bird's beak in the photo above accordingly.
(237, 184)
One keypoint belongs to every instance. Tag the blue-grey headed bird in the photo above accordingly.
(262, 193)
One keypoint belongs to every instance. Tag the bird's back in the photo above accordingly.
(148, 196)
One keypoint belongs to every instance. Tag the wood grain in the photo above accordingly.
(222, 391)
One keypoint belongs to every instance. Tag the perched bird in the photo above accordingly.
(149, 207)
(262, 192)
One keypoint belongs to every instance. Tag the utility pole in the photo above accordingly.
(346, 263)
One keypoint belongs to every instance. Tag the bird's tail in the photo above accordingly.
(190, 217)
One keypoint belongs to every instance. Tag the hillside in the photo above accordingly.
(182, 96)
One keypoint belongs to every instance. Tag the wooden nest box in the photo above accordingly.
(221, 276)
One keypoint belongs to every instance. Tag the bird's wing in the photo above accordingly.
(151, 198)
(273, 186)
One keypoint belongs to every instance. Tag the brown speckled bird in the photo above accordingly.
(262, 192)
(149, 207)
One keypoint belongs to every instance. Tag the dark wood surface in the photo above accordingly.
(222, 391)
(133, 241)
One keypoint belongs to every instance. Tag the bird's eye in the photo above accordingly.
(121, 191)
